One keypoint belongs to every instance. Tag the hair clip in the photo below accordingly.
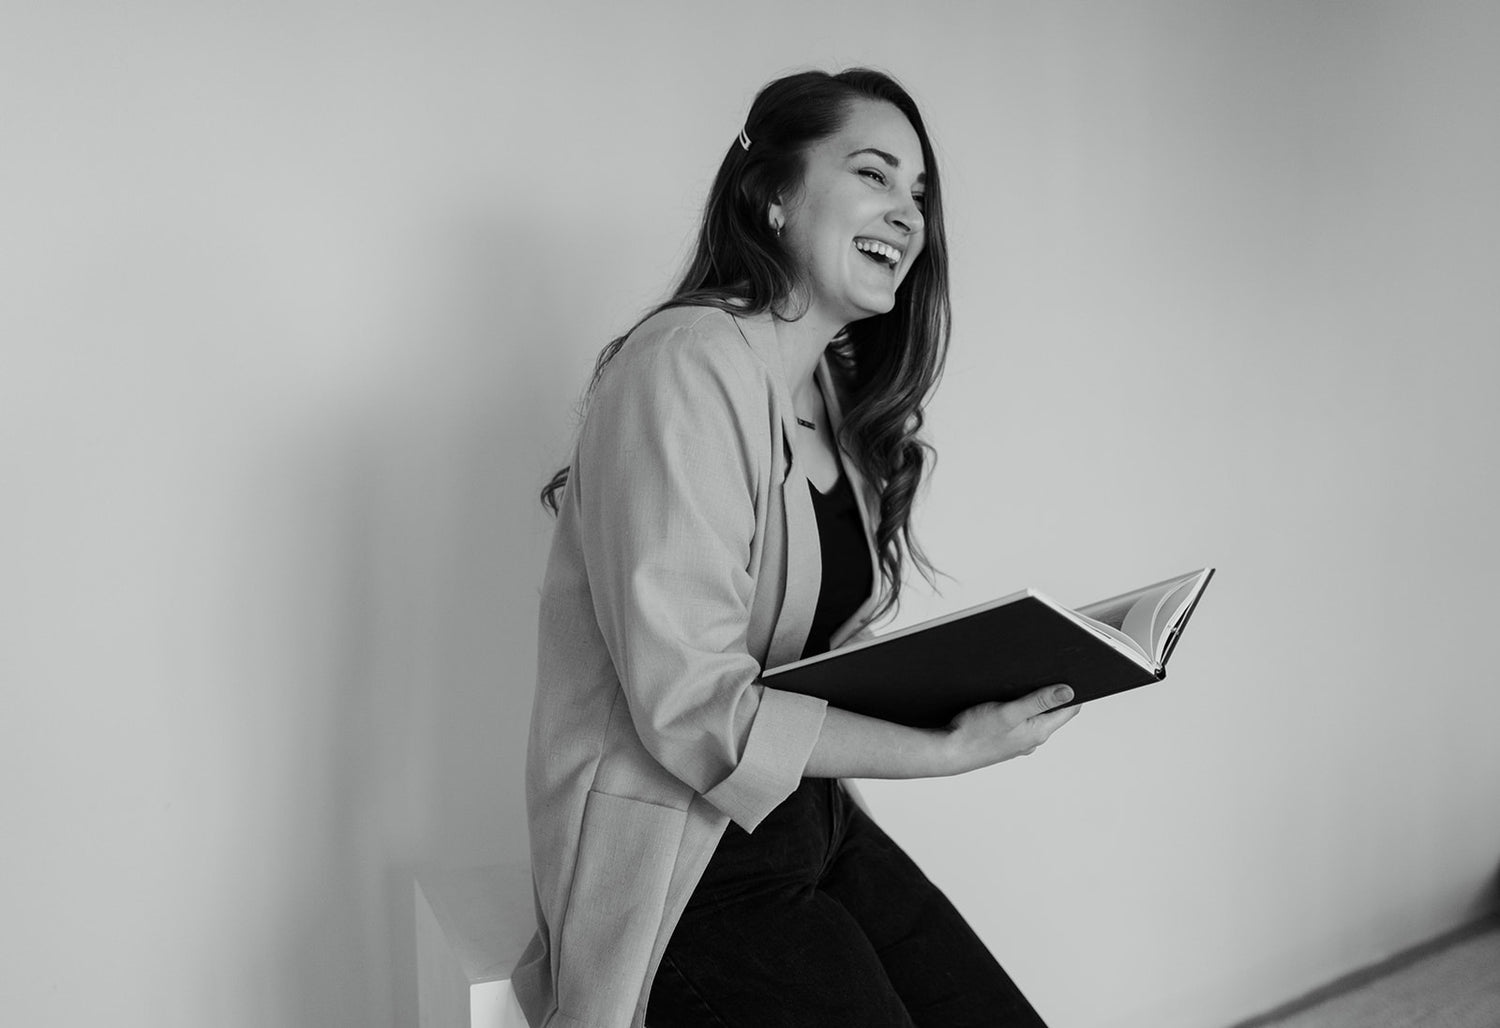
(744, 140)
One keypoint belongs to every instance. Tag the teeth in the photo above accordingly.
(890, 253)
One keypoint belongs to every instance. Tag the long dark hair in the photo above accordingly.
(888, 364)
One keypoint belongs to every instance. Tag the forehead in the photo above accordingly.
(878, 125)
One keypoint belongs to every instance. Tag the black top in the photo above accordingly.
(847, 576)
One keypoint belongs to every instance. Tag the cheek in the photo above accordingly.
(825, 256)
(803, 255)
(906, 267)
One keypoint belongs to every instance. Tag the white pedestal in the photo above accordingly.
(471, 928)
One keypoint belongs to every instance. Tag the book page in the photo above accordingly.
(1138, 614)
(1109, 612)
(1169, 614)
(1110, 631)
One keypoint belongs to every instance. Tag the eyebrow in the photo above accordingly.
(889, 158)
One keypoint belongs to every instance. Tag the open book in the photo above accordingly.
(925, 674)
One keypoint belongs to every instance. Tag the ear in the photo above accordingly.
(776, 215)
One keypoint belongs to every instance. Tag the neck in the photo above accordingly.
(802, 344)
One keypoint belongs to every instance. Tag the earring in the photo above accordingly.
(776, 227)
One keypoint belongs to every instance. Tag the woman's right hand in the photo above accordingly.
(991, 732)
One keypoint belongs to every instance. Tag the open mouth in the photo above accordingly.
(882, 254)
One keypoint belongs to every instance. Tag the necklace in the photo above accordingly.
(808, 424)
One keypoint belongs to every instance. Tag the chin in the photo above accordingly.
(877, 305)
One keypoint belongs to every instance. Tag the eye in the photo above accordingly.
(920, 199)
(877, 175)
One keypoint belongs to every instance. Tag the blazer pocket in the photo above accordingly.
(626, 852)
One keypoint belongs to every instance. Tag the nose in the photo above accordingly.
(907, 216)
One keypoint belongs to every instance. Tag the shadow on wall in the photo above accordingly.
(435, 544)
(1487, 903)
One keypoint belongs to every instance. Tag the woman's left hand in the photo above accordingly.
(992, 732)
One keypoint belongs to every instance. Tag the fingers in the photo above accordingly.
(991, 732)
(1048, 718)
(1046, 724)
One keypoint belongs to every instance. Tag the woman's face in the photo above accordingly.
(855, 226)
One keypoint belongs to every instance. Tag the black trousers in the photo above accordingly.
(818, 919)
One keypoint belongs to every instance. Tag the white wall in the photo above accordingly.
(298, 298)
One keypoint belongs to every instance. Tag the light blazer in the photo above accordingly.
(684, 559)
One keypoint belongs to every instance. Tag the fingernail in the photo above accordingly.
(1062, 694)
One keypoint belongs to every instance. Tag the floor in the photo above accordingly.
(1453, 982)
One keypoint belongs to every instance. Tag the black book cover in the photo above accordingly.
(1002, 652)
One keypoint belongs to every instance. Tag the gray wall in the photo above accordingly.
(298, 301)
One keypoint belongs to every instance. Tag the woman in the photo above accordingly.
(739, 498)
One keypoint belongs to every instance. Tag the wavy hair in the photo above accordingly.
(889, 363)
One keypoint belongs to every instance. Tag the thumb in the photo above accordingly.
(1054, 696)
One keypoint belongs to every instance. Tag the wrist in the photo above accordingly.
(947, 753)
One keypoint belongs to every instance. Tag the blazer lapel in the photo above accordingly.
(801, 585)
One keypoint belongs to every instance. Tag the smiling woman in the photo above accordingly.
(739, 497)
(855, 224)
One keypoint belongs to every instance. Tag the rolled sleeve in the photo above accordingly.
(781, 740)
(666, 487)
